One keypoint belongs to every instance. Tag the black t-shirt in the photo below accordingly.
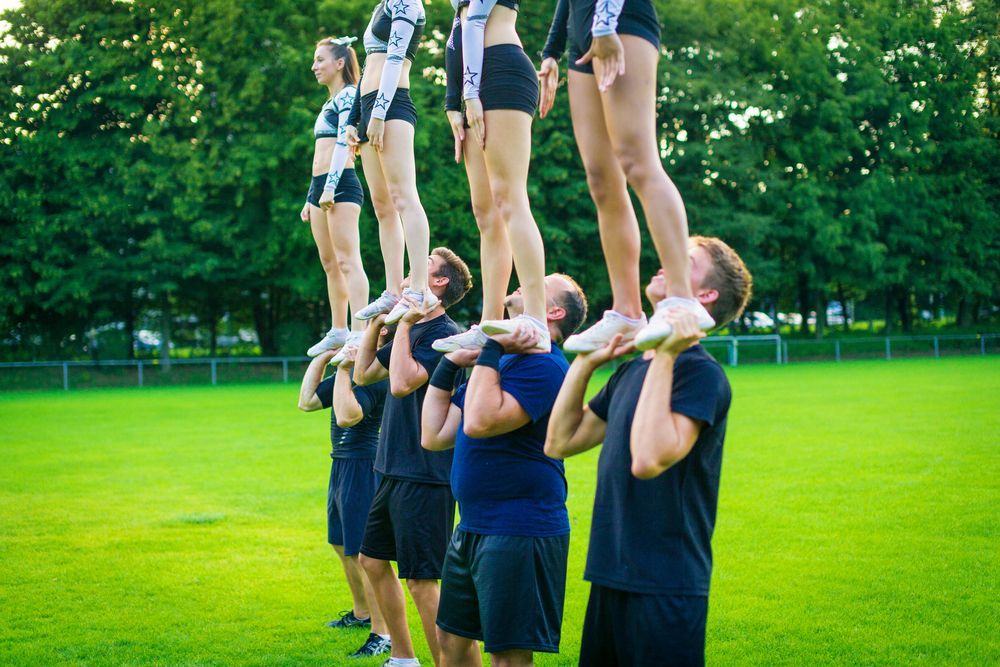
(399, 452)
(654, 536)
(360, 440)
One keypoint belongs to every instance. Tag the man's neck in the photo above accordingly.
(437, 312)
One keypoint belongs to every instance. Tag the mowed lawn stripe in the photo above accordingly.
(857, 523)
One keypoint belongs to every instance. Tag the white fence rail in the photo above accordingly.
(731, 350)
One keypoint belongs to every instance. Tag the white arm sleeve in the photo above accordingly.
(344, 102)
(606, 14)
(404, 15)
(473, 34)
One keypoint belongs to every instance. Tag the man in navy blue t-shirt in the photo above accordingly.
(504, 576)
(354, 426)
(662, 419)
(413, 511)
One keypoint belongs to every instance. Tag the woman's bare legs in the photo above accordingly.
(342, 223)
(400, 172)
(615, 215)
(508, 155)
(494, 246)
(390, 229)
(336, 286)
(630, 111)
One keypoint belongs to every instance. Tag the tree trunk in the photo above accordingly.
(804, 302)
(165, 332)
(213, 335)
(964, 315)
(820, 315)
(888, 311)
(130, 324)
(843, 306)
(264, 321)
(905, 310)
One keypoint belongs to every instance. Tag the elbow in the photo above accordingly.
(361, 377)
(553, 450)
(306, 406)
(349, 420)
(646, 467)
(477, 427)
(401, 387)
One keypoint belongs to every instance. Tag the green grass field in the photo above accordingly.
(858, 524)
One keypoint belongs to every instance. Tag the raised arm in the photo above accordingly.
(404, 14)
(440, 417)
(406, 374)
(473, 35)
(308, 401)
(573, 427)
(489, 410)
(345, 404)
(367, 368)
(658, 441)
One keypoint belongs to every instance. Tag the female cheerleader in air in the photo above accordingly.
(333, 203)
(614, 46)
(488, 70)
(382, 122)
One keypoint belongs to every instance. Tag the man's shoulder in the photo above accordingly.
(696, 360)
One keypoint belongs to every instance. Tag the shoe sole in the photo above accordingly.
(587, 349)
(648, 342)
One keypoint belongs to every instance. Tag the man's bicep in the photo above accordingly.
(688, 429)
(589, 433)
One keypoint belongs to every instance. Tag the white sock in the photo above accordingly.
(385, 637)
(404, 662)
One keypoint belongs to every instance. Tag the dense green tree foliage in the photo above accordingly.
(155, 157)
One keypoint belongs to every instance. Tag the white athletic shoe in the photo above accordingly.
(601, 333)
(473, 339)
(493, 327)
(658, 329)
(333, 339)
(400, 309)
(353, 339)
(383, 304)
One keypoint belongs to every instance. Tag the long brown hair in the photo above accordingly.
(341, 47)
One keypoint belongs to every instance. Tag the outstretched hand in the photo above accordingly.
(608, 56)
(548, 80)
(456, 120)
(477, 121)
(603, 355)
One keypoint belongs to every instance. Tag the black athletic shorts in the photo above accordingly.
(348, 190)
(348, 499)
(504, 590)
(623, 628)
(401, 108)
(410, 523)
(638, 18)
(509, 79)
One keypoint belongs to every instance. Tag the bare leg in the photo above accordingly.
(630, 109)
(390, 228)
(508, 154)
(342, 222)
(606, 180)
(426, 594)
(512, 659)
(355, 581)
(389, 595)
(379, 626)
(458, 651)
(336, 286)
(494, 246)
(401, 177)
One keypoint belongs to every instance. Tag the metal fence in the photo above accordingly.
(729, 350)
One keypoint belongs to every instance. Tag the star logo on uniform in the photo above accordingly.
(604, 14)
(381, 102)
(395, 39)
(400, 7)
(470, 76)
(332, 181)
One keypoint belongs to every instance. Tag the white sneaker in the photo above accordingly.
(473, 339)
(383, 304)
(353, 340)
(333, 339)
(400, 309)
(601, 333)
(493, 327)
(658, 329)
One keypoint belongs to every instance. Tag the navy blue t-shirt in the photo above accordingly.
(399, 452)
(654, 536)
(506, 485)
(360, 440)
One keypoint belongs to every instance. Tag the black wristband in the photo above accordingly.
(490, 355)
(445, 374)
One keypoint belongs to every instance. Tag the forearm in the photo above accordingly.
(354, 116)
(606, 14)
(406, 374)
(555, 43)
(401, 31)
(310, 381)
(473, 36)
(345, 403)
(453, 68)
(367, 369)
(655, 441)
(433, 420)
(568, 412)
